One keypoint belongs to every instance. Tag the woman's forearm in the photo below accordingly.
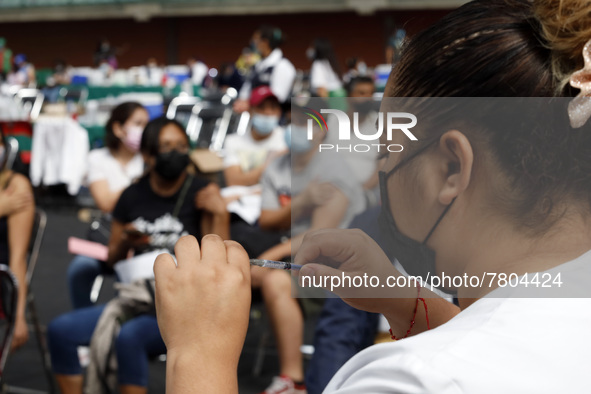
(218, 223)
(20, 228)
(107, 204)
(191, 372)
(117, 252)
(104, 198)
(18, 266)
(235, 176)
(276, 219)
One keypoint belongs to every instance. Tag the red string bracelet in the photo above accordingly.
(414, 315)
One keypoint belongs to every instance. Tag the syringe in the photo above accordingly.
(274, 264)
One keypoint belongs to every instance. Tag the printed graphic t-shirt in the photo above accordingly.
(248, 153)
(152, 214)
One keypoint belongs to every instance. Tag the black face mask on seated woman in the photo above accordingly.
(165, 147)
(170, 165)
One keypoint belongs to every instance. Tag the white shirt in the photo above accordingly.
(282, 78)
(199, 73)
(102, 165)
(497, 345)
(323, 76)
(248, 153)
(59, 152)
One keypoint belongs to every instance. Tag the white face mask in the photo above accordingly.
(133, 138)
(264, 124)
(297, 140)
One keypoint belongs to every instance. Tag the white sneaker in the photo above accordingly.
(84, 356)
(284, 385)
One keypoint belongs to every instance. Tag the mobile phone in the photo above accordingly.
(134, 233)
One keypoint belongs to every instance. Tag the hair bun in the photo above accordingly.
(566, 27)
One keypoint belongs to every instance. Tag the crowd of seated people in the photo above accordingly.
(147, 184)
(165, 203)
(477, 195)
(150, 194)
(189, 296)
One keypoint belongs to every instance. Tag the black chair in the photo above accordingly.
(39, 225)
(36, 240)
(11, 152)
(181, 108)
(77, 95)
(8, 300)
(213, 118)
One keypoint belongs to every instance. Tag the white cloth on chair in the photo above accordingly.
(59, 153)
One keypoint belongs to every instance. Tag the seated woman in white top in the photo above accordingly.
(325, 74)
(478, 194)
(110, 171)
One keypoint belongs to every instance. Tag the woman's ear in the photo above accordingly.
(459, 160)
(118, 130)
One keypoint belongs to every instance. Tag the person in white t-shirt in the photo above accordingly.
(246, 156)
(197, 70)
(325, 73)
(495, 187)
(273, 70)
(110, 171)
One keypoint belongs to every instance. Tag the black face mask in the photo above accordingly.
(416, 257)
(170, 165)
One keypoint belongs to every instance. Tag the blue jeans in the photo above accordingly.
(82, 272)
(138, 340)
(341, 332)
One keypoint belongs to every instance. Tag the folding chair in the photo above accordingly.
(37, 234)
(22, 132)
(36, 239)
(211, 119)
(11, 152)
(31, 100)
(8, 300)
(180, 108)
(239, 123)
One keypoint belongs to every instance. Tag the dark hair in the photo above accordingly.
(357, 80)
(323, 50)
(496, 48)
(273, 35)
(486, 48)
(120, 114)
(151, 135)
(351, 62)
